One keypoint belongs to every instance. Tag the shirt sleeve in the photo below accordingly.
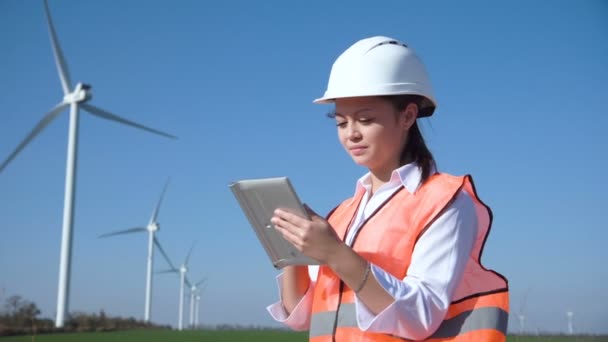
(299, 319)
(422, 298)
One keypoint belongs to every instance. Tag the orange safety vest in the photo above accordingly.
(480, 309)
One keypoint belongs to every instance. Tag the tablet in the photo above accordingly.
(258, 199)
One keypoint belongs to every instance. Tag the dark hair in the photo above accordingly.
(415, 148)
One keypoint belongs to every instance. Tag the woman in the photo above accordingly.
(401, 258)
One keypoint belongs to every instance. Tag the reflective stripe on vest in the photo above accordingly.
(478, 319)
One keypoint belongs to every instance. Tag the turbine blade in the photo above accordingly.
(126, 231)
(189, 252)
(113, 117)
(162, 251)
(155, 213)
(46, 119)
(200, 282)
(167, 271)
(62, 68)
(188, 283)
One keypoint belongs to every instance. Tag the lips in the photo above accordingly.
(357, 150)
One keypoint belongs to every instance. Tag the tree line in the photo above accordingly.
(20, 316)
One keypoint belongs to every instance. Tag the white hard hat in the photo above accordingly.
(379, 66)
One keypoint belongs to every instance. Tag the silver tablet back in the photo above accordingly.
(258, 199)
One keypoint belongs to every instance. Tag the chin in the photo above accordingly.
(361, 161)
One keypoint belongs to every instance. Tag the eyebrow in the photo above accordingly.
(355, 113)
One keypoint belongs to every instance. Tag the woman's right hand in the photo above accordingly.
(314, 237)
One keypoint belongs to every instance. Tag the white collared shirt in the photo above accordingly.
(422, 297)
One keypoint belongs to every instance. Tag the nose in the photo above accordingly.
(353, 132)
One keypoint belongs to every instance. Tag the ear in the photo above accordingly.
(409, 115)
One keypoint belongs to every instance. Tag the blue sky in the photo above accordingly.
(521, 88)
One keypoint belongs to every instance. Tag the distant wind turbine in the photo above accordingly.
(151, 228)
(193, 294)
(183, 280)
(522, 315)
(570, 315)
(75, 98)
(198, 301)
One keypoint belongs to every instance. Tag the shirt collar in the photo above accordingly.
(408, 175)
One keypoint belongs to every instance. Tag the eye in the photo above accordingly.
(341, 124)
(366, 121)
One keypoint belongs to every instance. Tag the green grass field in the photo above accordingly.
(227, 336)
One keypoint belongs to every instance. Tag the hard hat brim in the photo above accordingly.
(425, 111)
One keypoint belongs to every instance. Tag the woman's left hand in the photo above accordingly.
(315, 237)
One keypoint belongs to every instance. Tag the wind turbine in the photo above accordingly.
(198, 300)
(521, 315)
(570, 315)
(193, 295)
(75, 98)
(151, 228)
(183, 280)
(522, 320)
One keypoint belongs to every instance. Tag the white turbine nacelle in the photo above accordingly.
(153, 227)
(183, 269)
(82, 93)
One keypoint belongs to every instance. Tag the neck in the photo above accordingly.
(380, 178)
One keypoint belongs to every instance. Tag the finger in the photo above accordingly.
(290, 217)
(290, 237)
(286, 225)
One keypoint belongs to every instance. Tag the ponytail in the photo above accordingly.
(415, 148)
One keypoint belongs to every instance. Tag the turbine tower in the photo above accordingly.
(74, 98)
(151, 228)
(183, 269)
(197, 309)
(522, 312)
(570, 315)
(193, 293)
(198, 301)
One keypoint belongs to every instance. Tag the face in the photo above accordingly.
(373, 132)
